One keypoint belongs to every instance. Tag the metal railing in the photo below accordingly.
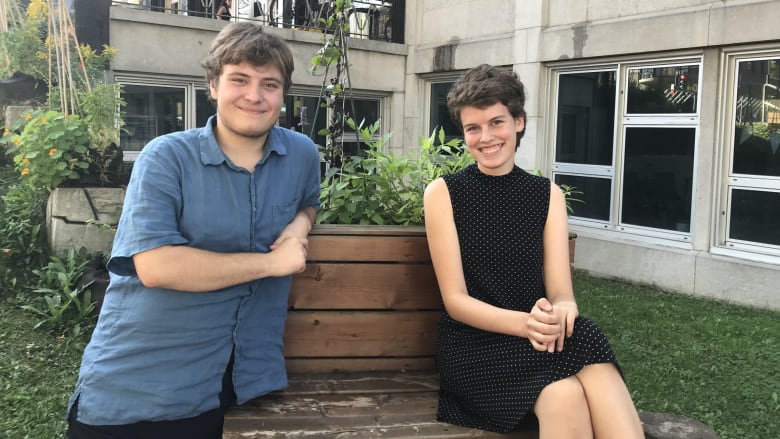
(368, 19)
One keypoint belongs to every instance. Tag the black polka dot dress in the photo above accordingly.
(490, 381)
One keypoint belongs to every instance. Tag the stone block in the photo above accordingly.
(671, 426)
(70, 214)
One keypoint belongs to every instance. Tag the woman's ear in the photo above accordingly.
(519, 124)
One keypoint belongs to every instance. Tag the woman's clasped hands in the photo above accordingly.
(549, 324)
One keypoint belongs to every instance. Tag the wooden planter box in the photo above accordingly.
(367, 301)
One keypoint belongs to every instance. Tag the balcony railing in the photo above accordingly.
(368, 19)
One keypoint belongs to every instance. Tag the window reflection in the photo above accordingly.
(754, 216)
(440, 115)
(596, 194)
(586, 118)
(150, 112)
(663, 90)
(204, 108)
(757, 119)
(658, 177)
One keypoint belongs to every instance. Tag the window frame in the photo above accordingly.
(622, 121)
(722, 243)
(188, 85)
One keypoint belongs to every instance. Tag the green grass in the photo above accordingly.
(711, 361)
(37, 374)
(715, 362)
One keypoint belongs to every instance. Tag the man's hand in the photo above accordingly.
(289, 256)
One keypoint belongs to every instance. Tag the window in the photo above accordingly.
(302, 112)
(439, 114)
(163, 107)
(171, 105)
(752, 198)
(625, 135)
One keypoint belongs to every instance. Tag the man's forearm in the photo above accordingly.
(183, 268)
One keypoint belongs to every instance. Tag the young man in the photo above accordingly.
(214, 223)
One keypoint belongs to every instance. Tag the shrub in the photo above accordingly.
(382, 188)
(22, 238)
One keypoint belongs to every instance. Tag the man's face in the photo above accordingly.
(249, 99)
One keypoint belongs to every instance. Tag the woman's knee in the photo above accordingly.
(565, 395)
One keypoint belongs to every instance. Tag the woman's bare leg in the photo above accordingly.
(612, 411)
(562, 409)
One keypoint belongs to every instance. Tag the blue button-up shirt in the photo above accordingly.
(159, 354)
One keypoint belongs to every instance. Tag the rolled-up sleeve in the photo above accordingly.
(150, 213)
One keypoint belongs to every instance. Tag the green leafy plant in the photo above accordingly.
(52, 148)
(572, 195)
(22, 239)
(22, 46)
(63, 302)
(382, 188)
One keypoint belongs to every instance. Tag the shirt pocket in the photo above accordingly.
(282, 215)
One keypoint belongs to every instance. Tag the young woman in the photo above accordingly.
(223, 13)
(511, 343)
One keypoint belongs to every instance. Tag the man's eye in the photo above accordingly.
(271, 85)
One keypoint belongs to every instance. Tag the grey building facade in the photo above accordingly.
(666, 114)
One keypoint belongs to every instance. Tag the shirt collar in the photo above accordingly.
(211, 154)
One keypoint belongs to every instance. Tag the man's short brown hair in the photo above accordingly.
(245, 41)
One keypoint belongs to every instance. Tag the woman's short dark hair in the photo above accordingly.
(245, 41)
(486, 85)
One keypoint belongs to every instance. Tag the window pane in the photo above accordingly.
(595, 195)
(754, 216)
(663, 90)
(150, 112)
(203, 107)
(586, 118)
(365, 110)
(440, 115)
(757, 119)
(299, 113)
(658, 177)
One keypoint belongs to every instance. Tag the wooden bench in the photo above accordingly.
(359, 342)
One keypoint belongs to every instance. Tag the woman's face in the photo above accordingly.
(490, 134)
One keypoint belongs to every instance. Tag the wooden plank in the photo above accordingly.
(360, 333)
(359, 364)
(359, 383)
(372, 230)
(365, 286)
(324, 248)
(356, 406)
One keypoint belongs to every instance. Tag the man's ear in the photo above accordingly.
(212, 89)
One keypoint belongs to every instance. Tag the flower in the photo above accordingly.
(27, 116)
(52, 151)
(43, 120)
(25, 160)
(25, 171)
(6, 132)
